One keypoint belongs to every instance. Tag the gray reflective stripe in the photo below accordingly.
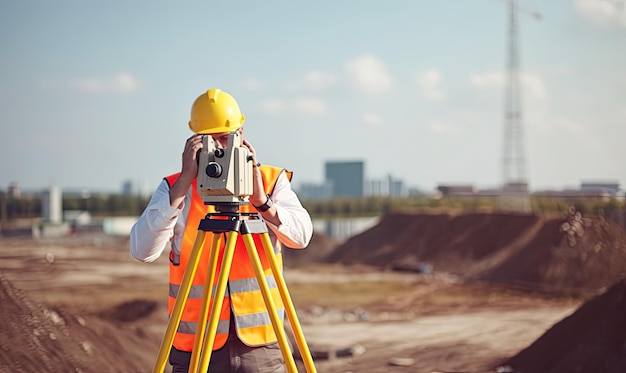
(195, 292)
(189, 327)
(250, 284)
(258, 319)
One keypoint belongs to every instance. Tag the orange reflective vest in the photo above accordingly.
(243, 295)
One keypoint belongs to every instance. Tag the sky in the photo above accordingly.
(96, 93)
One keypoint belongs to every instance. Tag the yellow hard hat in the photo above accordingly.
(215, 111)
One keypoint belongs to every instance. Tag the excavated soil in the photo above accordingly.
(592, 339)
(567, 256)
(416, 293)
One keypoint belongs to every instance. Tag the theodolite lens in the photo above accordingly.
(213, 169)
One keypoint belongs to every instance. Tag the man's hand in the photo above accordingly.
(190, 157)
(189, 171)
(258, 196)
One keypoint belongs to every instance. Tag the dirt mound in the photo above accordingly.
(449, 243)
(318, 250)
(592, 339)
(130, 311)
(39, 339)
(31, 335)
(568, 255)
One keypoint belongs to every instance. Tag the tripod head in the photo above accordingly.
(224, 174)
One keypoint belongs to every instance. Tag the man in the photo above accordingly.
(245, 341)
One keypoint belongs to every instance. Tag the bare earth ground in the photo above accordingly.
(385, 321)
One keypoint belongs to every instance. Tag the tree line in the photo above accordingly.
(133, 205)
(97, 205)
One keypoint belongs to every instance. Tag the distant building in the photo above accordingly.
(14, 191)
(515, 187)
(311, 191)
(77, 218)
(377, 188)
(397, 188)
(52, 205)
(127, 188)
(387, 187)
(588, 189)
(450, 190)
(347, 179)
(610, 187)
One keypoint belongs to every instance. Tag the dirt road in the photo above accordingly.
(399, 322)
(454, 342)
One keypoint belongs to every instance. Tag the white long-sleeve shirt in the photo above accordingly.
(161, 223)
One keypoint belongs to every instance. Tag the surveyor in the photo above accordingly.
(245, 340)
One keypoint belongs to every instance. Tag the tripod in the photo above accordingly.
(229, 220)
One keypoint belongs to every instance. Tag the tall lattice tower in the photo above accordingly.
(514, 192)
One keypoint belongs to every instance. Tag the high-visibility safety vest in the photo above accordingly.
(243, 294)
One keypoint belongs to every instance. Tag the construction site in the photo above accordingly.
(484, 292)
(509, 289)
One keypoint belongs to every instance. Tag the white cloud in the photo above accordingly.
(531, 84)
(311, 106)
(307, 105)
(312, 81)
(534, 86)
(487, 80)
(444, 128)
(120, 83)
(318, 80)
(253, 84)
(550, 126)
(607, 13)
(272, 106)
(373, 120)
(429, 84)
(369, 75)
(569, 126)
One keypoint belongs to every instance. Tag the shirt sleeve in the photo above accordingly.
(296, 227)
(155, 227)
